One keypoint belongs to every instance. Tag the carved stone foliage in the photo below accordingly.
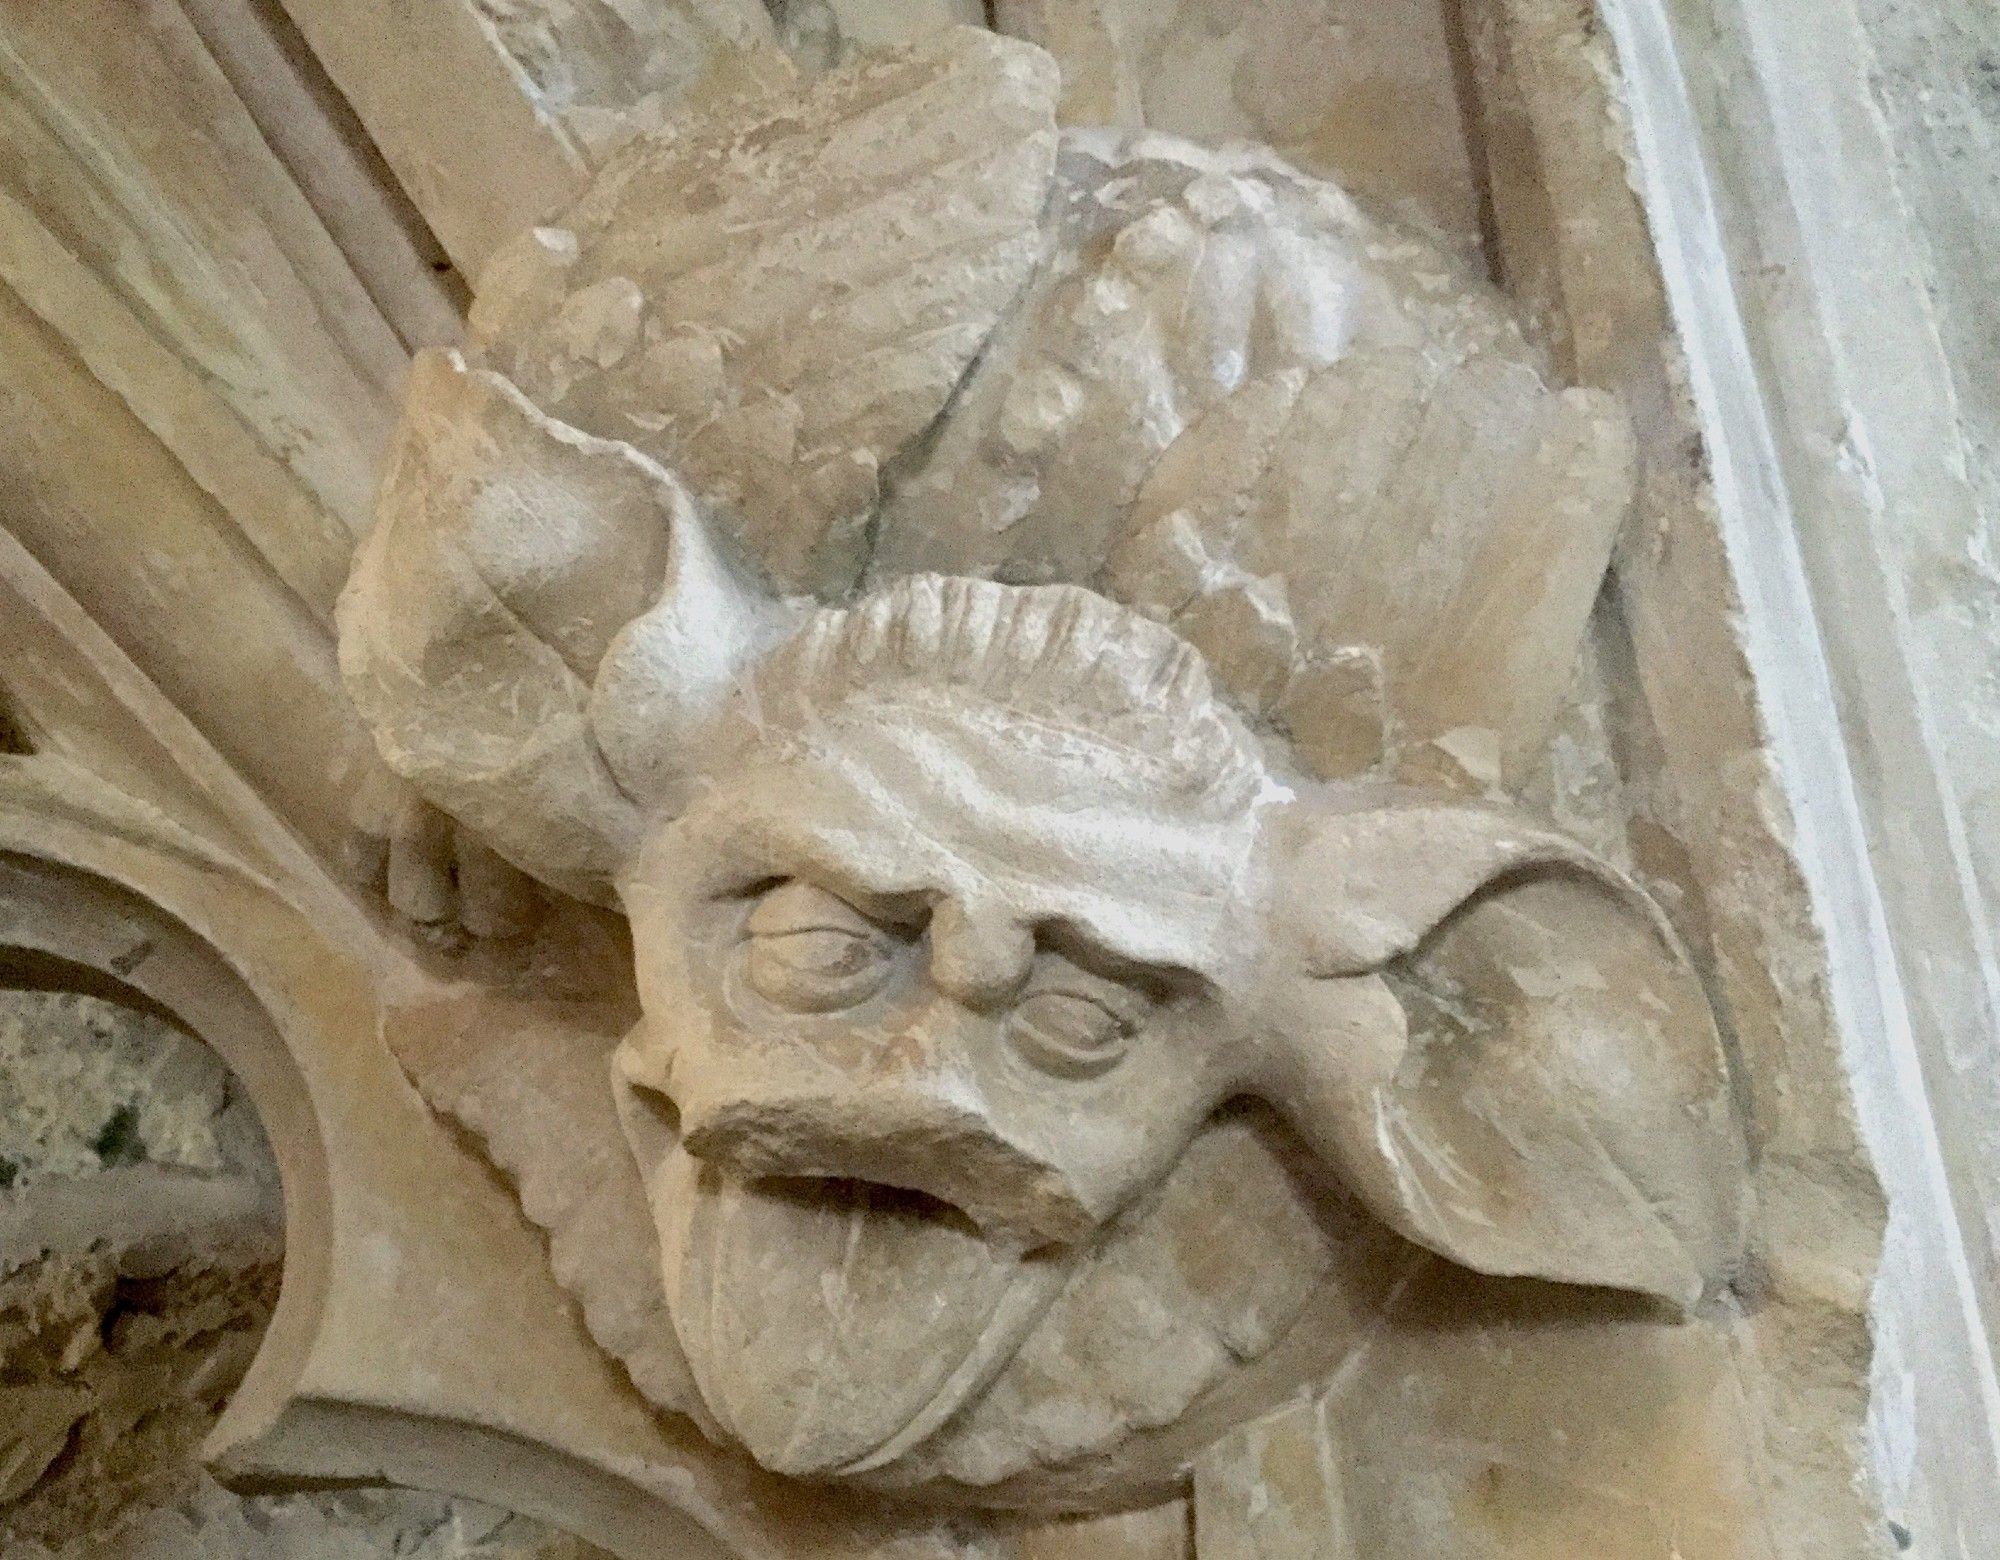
(1028, 625)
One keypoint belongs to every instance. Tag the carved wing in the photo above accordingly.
(1232, 399)
(776, 298)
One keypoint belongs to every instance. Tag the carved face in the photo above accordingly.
(958, 913)
(936, 996)
(981, 907)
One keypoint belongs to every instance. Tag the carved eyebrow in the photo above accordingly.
(900, 908)
(784, 851)
(783, 847)
(896, 908)
(1077, 942)
(1072, 938)
(796, 905)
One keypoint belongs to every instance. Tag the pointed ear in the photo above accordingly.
(1498, 1042)
(536, 624)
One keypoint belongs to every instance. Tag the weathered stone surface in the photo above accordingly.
(776, 298)
(1362, 92)
(1276, 1488)
(598, 68)
(913, 880)
(539, 1098)
(830, 32)
(975, 656)
(1518, 1458)
(209, 1523)
(139, 1237)
(488, 482)
(1229, 363)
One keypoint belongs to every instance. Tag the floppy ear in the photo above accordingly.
(1498, 1042)
(515, 563)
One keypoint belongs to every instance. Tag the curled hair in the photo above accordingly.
(1057, 656)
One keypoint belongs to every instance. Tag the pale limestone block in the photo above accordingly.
(1084, 419)
(1273, 1490)
(1520, 1424)
(1363, 92)
(969, 911)
(477, 483)
(1228, 375)
(1245, 630)
(304, 543)
(1335, 711)
(450, 110)
(1015, 1384)
(153, 226)
(1158, 1534)
(883, 1280)
(492, 112)
(823, 33)
(604, 56)
(397, 259)
(536, 1091)
(1578, 211)
(602, 70)
(1465, 759)
(1100, 71)
(128, 149)
(106, 508)
(921, 1222)
(422, 1340)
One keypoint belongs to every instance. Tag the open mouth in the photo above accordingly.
(900, 1203)
(833, 1324)
(885, 1140)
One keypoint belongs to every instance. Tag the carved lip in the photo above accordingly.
(834, 1325)
(891, 1141)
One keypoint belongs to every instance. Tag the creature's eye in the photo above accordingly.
(809, 952)
(1069, 1031)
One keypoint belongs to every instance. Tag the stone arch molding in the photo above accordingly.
(499, 1397)
(68, 928)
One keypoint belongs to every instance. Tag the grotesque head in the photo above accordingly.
(981, 906)
(942, 954)
(1033, 1014)
(960, 913)
(954, 907)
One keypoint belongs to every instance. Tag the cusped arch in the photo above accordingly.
(419, 1338)
(64, 928)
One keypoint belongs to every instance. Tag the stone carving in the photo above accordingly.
(1030, 628)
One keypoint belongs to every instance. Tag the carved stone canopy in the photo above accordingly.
(994, 609)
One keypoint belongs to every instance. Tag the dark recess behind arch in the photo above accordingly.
(13, 734)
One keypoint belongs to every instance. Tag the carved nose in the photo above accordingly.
(901, 1138)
